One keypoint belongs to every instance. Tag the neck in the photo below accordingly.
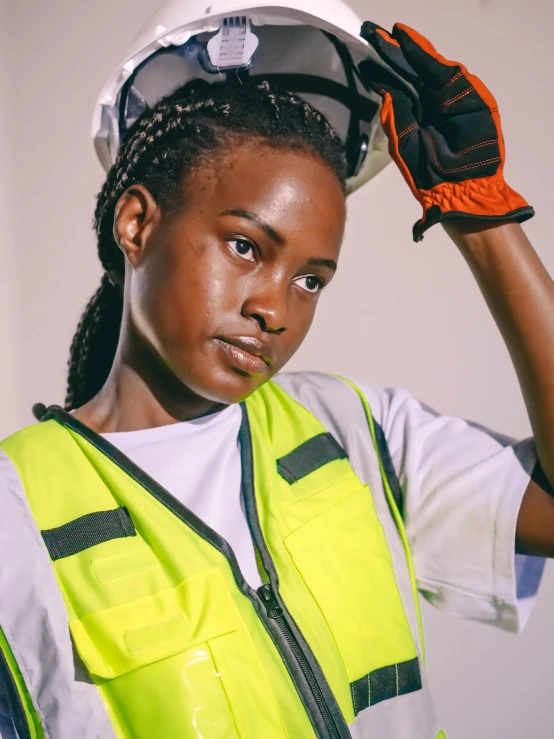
(141, 393)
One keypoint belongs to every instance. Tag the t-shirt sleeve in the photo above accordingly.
(462, 487)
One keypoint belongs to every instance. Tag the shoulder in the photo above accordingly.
(342, 394)
(409, 426)
(30, 441)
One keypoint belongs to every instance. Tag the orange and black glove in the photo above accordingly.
(443, 128)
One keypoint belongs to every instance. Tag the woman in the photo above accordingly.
(231, 547)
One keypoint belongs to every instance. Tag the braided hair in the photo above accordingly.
(160, 150)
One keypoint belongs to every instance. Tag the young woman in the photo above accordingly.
(202, 547)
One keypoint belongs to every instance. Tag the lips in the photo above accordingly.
(246, 353)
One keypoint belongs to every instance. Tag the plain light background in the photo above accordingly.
(397, 313)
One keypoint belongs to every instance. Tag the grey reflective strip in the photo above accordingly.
(35, 622)
(385, 683)
(310, 456)
(87, 531)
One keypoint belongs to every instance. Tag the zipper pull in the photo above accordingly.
(273, 608)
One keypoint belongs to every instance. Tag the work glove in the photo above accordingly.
(443, 128)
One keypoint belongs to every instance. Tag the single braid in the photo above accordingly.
(160, 150)
(95, 342)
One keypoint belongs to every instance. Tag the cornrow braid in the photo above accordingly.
(160, 151)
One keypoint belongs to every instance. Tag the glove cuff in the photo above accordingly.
(483, 198)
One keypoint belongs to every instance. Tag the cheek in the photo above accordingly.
(303, 324)
(178, 298)
(300, 320)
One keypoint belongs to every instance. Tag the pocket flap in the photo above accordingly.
(116, 640)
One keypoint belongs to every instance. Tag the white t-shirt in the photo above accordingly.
(199, 463)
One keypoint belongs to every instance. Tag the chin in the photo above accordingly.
(227, 387)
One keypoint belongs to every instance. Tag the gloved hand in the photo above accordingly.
(446, 138)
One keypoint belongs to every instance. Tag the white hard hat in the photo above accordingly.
(309, 47)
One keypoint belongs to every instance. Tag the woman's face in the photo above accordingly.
(224, 291)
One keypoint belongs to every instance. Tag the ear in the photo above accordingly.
(136, 215)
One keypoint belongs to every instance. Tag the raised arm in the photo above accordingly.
(445, 136)
(520, 294)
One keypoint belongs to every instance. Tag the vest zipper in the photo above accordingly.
(306, 673)
(275, 612)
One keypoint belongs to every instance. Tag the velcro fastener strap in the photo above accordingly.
(87, 531)
(310, 456)
(384, 683)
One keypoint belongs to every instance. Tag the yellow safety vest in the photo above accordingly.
(174, 639)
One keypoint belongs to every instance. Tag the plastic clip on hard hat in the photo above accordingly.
(234, 44)
(308, 47)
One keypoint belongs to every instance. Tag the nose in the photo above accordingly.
(267, 305)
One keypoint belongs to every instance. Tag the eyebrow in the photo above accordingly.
(324, 263)
(273, 235)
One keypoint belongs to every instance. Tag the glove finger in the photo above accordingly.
(369, 27)
(389, 50)
(402, 130)
(452, 157)
(458, 91)
(378, 77)
(400, 116)
(405, 116)
(381, 80)
(456, 97)
(434, 70)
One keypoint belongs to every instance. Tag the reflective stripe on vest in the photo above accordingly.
(158, 610)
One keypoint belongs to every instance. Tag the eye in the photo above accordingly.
(310, 283)
(243, 248)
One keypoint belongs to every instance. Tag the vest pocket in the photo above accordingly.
(116, 640)
(343, 557)
(177, 659)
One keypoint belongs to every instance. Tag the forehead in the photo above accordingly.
(290, 189)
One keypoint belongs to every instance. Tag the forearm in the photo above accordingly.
(520, 296)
